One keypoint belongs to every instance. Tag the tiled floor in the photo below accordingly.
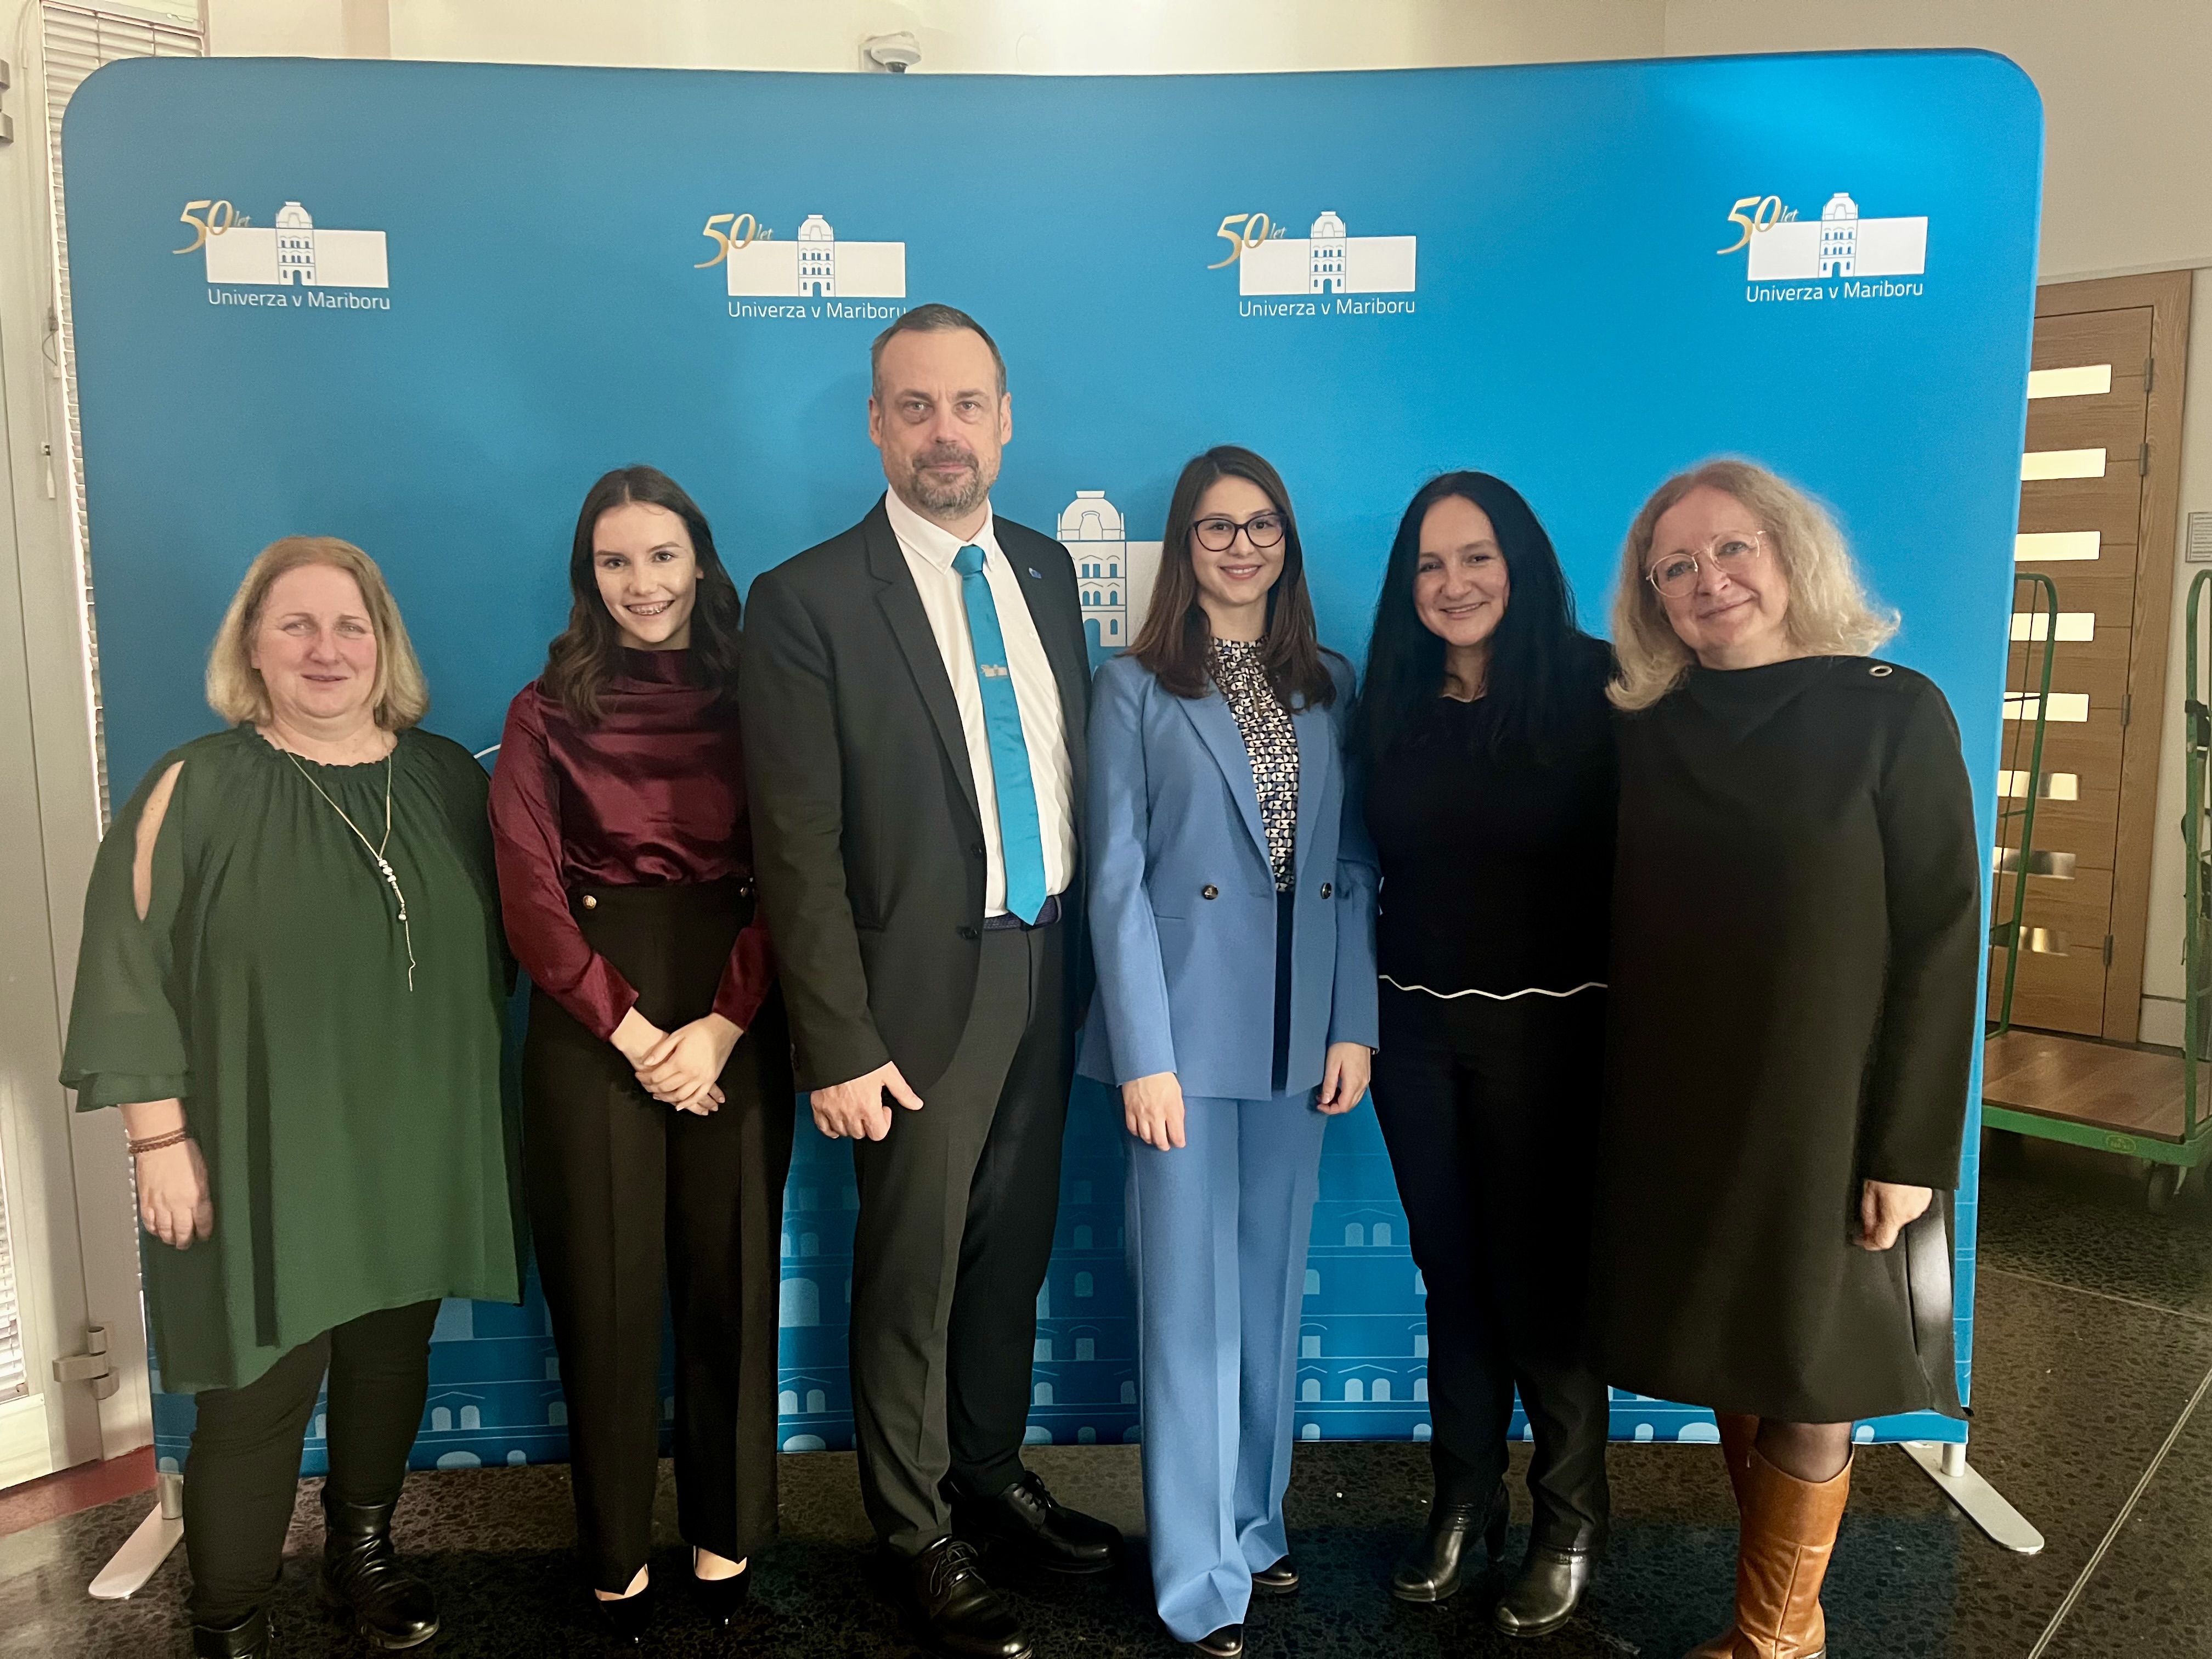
(72, 1490)
(2095, 1334)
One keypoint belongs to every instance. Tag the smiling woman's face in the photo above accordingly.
(648, 574)
(314, 647)
(1461, 584)
(1730, 618)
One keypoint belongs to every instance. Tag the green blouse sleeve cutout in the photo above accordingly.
(126, 1036)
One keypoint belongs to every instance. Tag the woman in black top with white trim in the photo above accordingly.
(1490, 791)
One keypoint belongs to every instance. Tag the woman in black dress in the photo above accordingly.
(1490, 760)
(1796, 925)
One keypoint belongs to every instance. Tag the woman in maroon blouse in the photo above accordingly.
(657, 1086)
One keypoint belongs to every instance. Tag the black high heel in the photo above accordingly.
(625, 1621)
(722, 1598)
(1438, 1567)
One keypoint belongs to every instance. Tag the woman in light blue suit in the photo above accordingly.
(1232, 903)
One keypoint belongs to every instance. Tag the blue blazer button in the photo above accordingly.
(1209, 892)
(1326, 889)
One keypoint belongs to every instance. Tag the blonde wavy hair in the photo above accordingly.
(234, 688)
(1829, 616)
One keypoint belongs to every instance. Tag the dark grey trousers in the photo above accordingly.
(957, 1204)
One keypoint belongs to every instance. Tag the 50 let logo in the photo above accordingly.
(743, 231)
(1244, 232)
(220, 217)
(1766, 212)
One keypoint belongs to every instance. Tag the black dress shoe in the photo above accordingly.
(1281, 1579)
(1438, 1564)
(246, 1639)
(1025, 1519)
(391, 1607)
(956, 1613)
(722, 1598)
(625, 1620)
(1547, 1592)
(1227, 1642)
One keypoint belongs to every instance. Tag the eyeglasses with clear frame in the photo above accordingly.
(1732, 553)
(1218, 535)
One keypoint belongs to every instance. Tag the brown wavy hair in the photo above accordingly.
(582, 660)
(1173, 642)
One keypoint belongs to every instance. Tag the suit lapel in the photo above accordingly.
(1216, 729)
(1063, 646)
(1317, 753)
(909, 624)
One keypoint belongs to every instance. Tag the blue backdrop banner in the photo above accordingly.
(422, 306)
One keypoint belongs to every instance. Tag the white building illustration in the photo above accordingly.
(816, 265)
(1113, 574)
(294, 253)
(1840, 243)
(1329, 259)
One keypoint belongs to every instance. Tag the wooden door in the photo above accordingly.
(2099, 479)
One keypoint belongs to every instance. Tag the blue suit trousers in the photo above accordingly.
(1216, 1240)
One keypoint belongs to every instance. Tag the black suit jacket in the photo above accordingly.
(867, 842)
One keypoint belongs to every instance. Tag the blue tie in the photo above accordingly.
(1021, 844)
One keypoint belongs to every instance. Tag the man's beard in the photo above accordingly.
(963, 493)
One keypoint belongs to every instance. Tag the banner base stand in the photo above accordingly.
(1945, 1463)
(143, 1552)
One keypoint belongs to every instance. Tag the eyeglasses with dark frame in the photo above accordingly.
(1732, 553)
(1217, 534)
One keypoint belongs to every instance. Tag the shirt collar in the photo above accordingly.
(925, 540)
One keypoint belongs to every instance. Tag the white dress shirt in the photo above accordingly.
(929, 552)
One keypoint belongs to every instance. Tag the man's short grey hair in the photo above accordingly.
(932, 319)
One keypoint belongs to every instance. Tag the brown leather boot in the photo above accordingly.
(1738, 1432)
(1781, 1557)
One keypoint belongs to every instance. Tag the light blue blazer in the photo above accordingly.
(1182, 898)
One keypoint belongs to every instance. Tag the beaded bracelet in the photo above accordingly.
(157, 1143)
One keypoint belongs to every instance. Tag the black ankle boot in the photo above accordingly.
(1438, 1564)
(246, 1639)
(389, 1605)
(1547, 1592)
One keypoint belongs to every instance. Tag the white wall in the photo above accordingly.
(1129, 37)
(2162, 975)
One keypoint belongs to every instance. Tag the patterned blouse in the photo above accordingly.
(1270, 741)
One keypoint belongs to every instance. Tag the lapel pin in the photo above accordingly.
(1037, 574)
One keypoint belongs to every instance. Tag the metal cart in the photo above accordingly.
(2143, 1103)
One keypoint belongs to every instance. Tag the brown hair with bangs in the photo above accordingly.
(1174, 641)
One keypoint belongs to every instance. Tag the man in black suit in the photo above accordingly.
(914, 693)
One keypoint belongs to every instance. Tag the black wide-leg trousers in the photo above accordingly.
(1489, 1111)
(628, 1196)
(957, 1204)
(242, 1474)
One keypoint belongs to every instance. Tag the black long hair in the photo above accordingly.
(582, 659)
(1173, 640)
(1539, 658)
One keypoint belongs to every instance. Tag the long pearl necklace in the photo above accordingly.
(375, 852)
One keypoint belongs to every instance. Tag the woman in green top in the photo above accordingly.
(292, 982)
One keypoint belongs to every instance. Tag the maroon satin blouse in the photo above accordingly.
(653, 795)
